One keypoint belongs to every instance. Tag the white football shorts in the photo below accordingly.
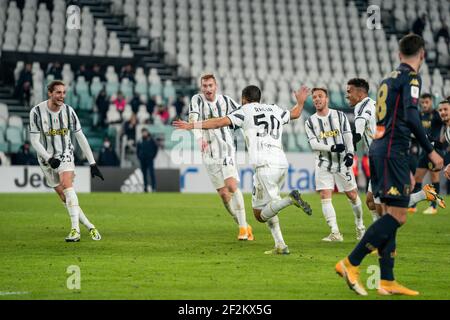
(220, 171)
(267, 184)
(344, 180)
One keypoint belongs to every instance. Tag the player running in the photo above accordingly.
(218, 150)
(51, 124)
(330, 136)
(263, 129)
(433, 125)
(397, 117)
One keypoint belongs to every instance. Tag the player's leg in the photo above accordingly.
(434, 175)
(266, 190)
(236, 205)
(144, 169)
(345, 181)
(75, 212)
(83, 219)
(325, 186)
(373, 204)
(421, 171)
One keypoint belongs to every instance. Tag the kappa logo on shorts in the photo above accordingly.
(393, 191)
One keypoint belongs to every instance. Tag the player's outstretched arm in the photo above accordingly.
(300, 95)
(84, 145)
(204, 125)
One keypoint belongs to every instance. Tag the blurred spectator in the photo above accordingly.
(120, 102)
(127, 72)
(179, 106)
(24, 85)
(443, 32)
(55, 69)
(163, 114)
(108, 156)
(419, 25)
(85, 72)
(96, 72)
(24, 157)
(129, 128)
(151, 104)
(147, 149)
(136, 102)
(102, 103)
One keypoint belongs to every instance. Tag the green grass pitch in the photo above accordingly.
(183, 246)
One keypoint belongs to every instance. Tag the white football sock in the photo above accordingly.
(358, 212)
(330, 215)
(375, 215)
(73, 207)
(414, 198)
(230, 211)
(238, 207)
(274, 226)
(275, 206)
(83, 219)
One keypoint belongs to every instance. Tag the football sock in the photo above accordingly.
(330, 215)
(376, 236)
(417, 188)
(83, 219)
(358, 212)
(375, 215)
(437, 187)
(387, 257)
(274, 226)
(238, 207)
(230, 211)
(416, 197)
(275, 206)
(73, 207)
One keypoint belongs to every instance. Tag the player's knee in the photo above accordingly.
(224, 194)
(352, 195)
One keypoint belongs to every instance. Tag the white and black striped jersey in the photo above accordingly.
(325, 131)
(447, 134)
(55, 128)
(220, 141)
(263, 129)
(365, 120)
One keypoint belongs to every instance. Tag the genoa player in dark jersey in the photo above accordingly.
(433, 125)
(397, 117)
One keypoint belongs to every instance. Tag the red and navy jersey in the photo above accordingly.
(432, 123)
(397, 104)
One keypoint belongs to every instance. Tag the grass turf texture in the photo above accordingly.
(180, 246)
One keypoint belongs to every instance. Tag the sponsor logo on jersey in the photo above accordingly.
(393, 191)
(57, 132)
(329, 134)
(415, 92)
(426, 124)
(414, 82)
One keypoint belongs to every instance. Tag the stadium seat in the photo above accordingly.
(16, 122)
(15, 138)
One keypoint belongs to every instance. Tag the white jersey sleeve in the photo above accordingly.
(74, 122)
(231, 105)
(365, 120)
(237, 118)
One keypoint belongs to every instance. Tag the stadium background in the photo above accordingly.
(154, 51)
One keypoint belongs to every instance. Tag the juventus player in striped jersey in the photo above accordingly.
(218, 150)
(329, 134)
(365, 126)
(263, 130)
(444, 113)
(51, 125)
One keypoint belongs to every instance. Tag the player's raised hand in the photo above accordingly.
(302, 94)
(95, 171)
(180, 124)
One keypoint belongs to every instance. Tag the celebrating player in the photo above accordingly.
(329, 134)
(263, 129)
(218, 150)
(433, 125)
(51, 124)
(397, 117)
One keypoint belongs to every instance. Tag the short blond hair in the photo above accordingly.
(208, 76)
